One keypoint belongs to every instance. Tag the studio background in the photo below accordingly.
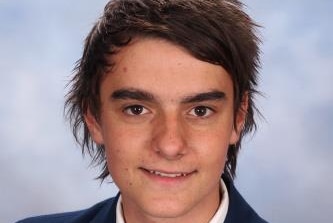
(285, 170)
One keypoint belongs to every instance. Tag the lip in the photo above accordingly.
(168, 177)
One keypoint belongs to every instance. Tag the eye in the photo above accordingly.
(201, 111)
(136, 110)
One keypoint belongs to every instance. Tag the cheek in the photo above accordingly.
(122, 148)
(212, 146)
(118, 138)
(118, 162)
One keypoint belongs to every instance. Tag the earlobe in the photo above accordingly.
(94, 128)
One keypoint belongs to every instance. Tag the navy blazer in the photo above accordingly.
(239, 211)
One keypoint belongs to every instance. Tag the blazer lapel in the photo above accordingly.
(239, 211)
(108, 213)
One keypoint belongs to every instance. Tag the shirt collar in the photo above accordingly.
(221, 212)
(218, 217)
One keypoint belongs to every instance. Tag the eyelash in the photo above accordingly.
(137, 110)
(208, 110)
(140, 110)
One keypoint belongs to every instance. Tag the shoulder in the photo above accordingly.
(100, 212)
(239, 210)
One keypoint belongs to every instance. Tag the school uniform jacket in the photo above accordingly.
(239, 211)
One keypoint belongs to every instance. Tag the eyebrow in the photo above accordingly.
(140, 95)
(132, 94)
(206, 96)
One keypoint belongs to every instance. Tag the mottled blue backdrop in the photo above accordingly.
(285, 170)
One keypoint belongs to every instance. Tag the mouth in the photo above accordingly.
(165, 174)
(172, 175)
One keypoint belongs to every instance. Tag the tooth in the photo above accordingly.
(172, 175)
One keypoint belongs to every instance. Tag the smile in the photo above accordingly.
(167, 175)
(172, 175)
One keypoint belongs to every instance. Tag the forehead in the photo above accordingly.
(159, 66)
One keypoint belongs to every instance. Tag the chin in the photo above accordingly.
(167, 209)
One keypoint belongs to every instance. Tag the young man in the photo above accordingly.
(164, 94)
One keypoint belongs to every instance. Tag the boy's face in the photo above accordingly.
(166, 122)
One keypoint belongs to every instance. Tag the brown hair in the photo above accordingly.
(215, 31)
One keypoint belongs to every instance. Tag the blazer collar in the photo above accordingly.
(238, 211)
(107, 212)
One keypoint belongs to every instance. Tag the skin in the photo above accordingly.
(166, 122)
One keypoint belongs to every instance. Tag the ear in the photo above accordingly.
(94, 127)
(240, 119)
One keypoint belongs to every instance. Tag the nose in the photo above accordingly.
(169, 137)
